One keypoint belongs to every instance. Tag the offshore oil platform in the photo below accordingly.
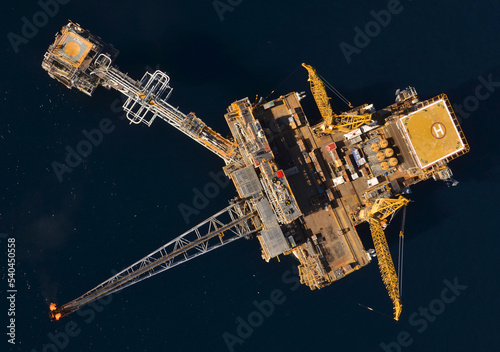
(302, 189)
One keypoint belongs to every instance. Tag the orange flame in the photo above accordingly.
(58, 316)
(52, 307)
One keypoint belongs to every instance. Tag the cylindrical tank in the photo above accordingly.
(375, 147)
(384, 143)
(388, 152)
(380, 156)
(393, 161)
(384, 165)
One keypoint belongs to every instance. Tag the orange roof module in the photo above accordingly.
(432, 133)
(72, 48)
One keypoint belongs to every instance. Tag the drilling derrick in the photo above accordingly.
(301, 189)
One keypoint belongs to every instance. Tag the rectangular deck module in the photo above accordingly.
(329, 247)
(72, 48)
(432, 133)
(73, 58)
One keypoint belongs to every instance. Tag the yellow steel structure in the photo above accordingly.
(332, 122)
(309, 270)
(380, 210)
(383, 207)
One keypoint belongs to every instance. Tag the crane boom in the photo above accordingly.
(319, 93)
(381, 209)
(332, 122)
(386, 266)
(228, 225)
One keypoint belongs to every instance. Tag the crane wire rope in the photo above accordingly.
(335, 91)
(401, 253)
(281, 83)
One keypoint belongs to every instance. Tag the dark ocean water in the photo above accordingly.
(122, 201)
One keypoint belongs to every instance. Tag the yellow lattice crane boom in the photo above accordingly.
(379, 211)
(332, 122)
(319, 93)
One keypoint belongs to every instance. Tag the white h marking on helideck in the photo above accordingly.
(438, 130)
